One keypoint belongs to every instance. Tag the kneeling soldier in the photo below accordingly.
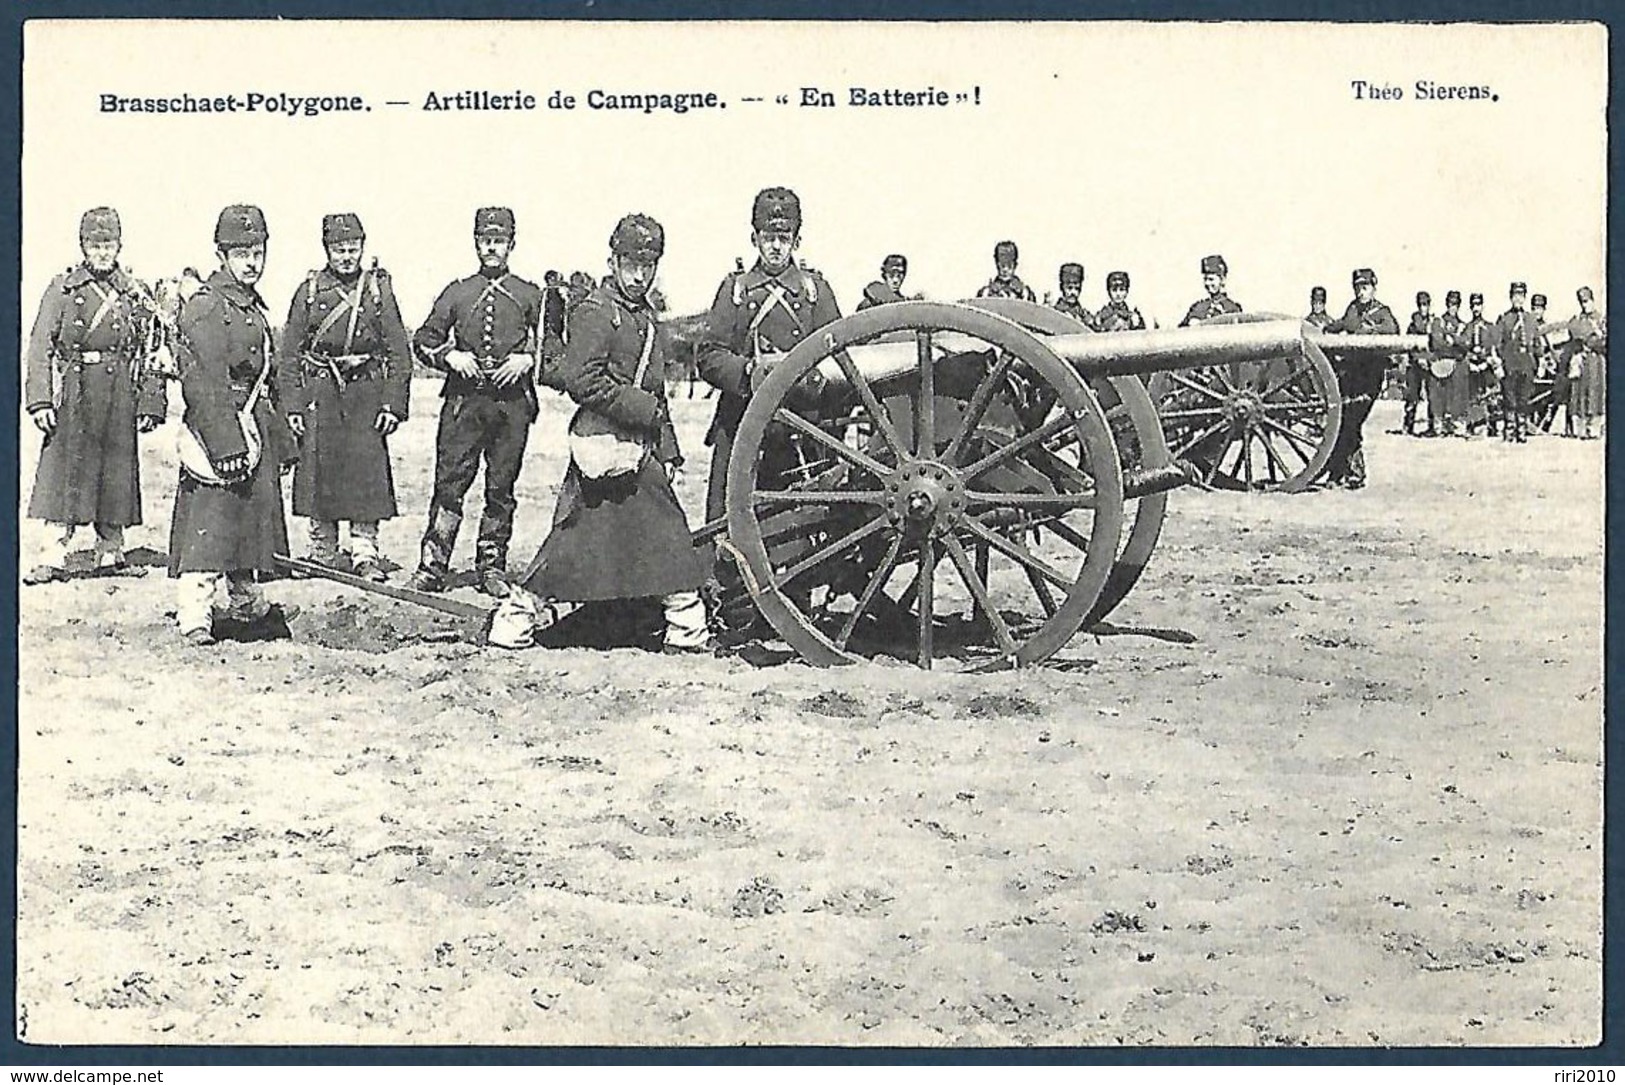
(229, 525)
(345, 368)
(483, 332)
(89, 391)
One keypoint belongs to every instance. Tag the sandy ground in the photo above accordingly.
(1362, 808)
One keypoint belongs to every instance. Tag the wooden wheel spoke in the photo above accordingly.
(1274, 458)
(1309, 408)
(1046, 598)
(881, 574)
(1192, 442)
(1191, 413)
(1195, 386)
(978, 591)
(833, 443)
(1048, 502)
(1299, 441)
(877, 413)
(925, 406)
(1018, 446)
(1247, 456)
(1018, 553)
(980, 400)
(817, 557)
(1299, 368)
(818, 497)
(927, 582)
(1069, 533)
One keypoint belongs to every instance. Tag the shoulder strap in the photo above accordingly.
(310, 288)
(355, 307)
(648, 349)
(738, 287)
(809, 282)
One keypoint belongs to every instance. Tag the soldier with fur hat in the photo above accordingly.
(1447, 377)
(1588, 332)
(1005, 282)
(90, 391)
(1214, 273)
(1414, 367)
(228, 525)
(1117, 315)
(345, 368)
(889, 287)
(1360, 377)
(1477, 339)
(1070, 281)
(1517, 344)
(483, 333)
(1318, 316)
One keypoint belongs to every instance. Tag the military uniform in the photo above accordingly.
(881, 292)
(1118, 316)
(1360, 377)
(1447, 396)
(1589, 334)
(1213, 305)
(1415, 372)
(1517, 344)
(623, 536)
(345, 369)
(492, 314)
(756, 315)
(87, 362)
(1477, 341)
(228, 532)
(1006, 253)
(1318, 316)
(1073, 307)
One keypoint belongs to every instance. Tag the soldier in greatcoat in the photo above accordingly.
(1414, 367)
(1588, 332)
(228, 529)
(1217, 303)
(90, 391)
(345, 370)
(889, 287)
(1005, 282)
(623, 535)
(1477, 341)
(1447, 395)
(483, 333)
(1070, 281)
(1117, 315)
(1318, 316)
(1517, 345)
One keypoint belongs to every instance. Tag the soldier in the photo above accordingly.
(1071, 281)
(889, 287)
(756, 317)
(1477, 340)
(1414, 366)
(90, 391)
(1005, 282)
(1360, 376)
(345, 368)
(622, 535)
(1447, 394)
(1549, 367)
(1217, 302)
(1118, 315)
(483, 333)
(1517, 344)
(1588, 363)
(228, 523)
(1318, 316)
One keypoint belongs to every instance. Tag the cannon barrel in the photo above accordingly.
(1370, 344)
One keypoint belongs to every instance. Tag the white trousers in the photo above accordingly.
(514, 623)
(59, 543)
(324, 540)
(196, 594)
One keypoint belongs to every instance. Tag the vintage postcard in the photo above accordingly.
(864, 534)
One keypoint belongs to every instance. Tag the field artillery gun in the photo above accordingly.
(1001, 440)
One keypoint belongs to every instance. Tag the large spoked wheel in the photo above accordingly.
(1140, 444)
(1012, 480)
(1255, 425)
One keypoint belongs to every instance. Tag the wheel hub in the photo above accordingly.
(1243, 408)
(925, 496)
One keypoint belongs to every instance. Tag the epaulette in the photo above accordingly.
(809, 282)
(310, 287)
(736, 277)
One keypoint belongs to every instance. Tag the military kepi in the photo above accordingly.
(895, 262)
(1537, 301)
(776, 209)
(1452, 297)
(1475, 298)
(1214, 265)
(1317, 293)
(493, 222)
(1519, 288)
(1071, 272)
(239, 226)
(344, 226)
(1117, 280)
(638, 237)
(1365, 277)
(99, 224)
(1424, 298)
(1006, 251)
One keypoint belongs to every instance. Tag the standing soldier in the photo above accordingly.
(228, 523)
(483, 333)
(1118, 315)
(1517, 342)
(1318, 316)
(757, 316)
(1005, 282)
(1414, 366)
(889, 287)
(619, 532)
(1477, 339)
(1447, 377)
(1589, 333)
(345, 368)
(1360, 377)
(1217, 302)
(1549, 367)
(90, 392)
(1071, 279)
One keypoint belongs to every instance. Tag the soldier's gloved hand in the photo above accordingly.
(45, 420)
(147, 423)
(296, 422)
(462, 363)
(232, 468)
(386, 422)
(808, 390)
(512, 371)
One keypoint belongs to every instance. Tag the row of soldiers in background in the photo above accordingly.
(1479, 376)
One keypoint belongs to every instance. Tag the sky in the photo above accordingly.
(1134, 146)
